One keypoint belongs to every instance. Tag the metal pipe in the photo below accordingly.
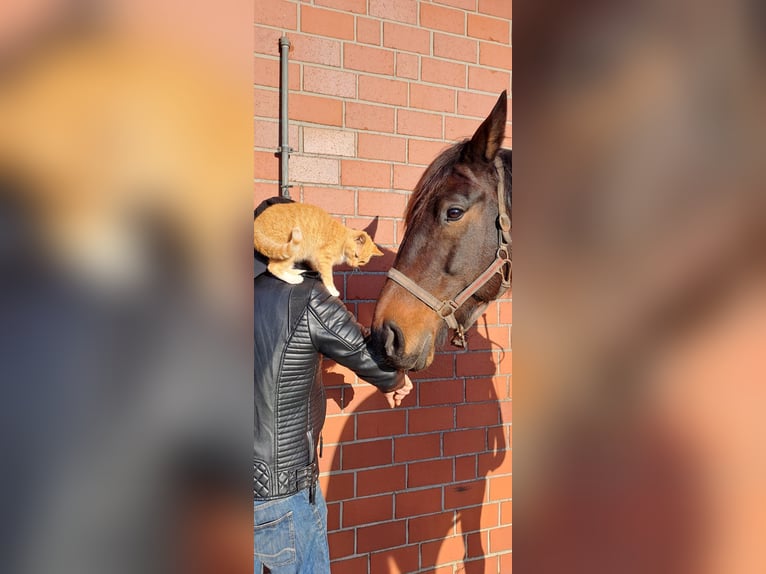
(284, 132)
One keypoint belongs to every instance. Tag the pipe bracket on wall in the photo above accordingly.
(284, 133)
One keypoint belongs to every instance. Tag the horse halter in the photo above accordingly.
(502, 265)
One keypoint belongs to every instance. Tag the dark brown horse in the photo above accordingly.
(455, 255)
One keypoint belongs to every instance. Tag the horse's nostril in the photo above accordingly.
(393, 339)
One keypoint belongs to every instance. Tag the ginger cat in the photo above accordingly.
(288, 233)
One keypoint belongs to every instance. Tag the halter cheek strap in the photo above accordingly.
(501, 265)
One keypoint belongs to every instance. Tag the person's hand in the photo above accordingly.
(395, 398)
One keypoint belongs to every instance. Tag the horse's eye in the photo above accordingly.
(454, 213)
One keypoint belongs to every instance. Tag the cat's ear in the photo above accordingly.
(361, 237)
(375, 250)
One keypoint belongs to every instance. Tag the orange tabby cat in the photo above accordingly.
(288, 233)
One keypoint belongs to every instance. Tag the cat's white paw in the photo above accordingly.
(291, 278)
(333, 291)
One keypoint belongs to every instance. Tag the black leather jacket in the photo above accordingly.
(293, 325)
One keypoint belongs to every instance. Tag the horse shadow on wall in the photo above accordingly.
(447, 436)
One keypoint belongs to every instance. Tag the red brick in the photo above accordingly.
(266, 166)
(337, 486)
(277, 13)
(418, 502)
(423, 152)
(368, 59)
(500, 539)
(505, 563)
(489, 338)
(374, 425)
(407, 65)
(465, 442)
(475, 544)
(316, 109)
(266, 134)
(458, 128)
(416, 447)
(443, 551)
(399, 10)
(357, 6)
(483, 565)
(267, 73)
(350, 566)
(487, 28)
(374, 146)
(315, 50)
(330, 461)
(499, 459)
(506, 512)
(366, 454)
(445, 19)
(475, 415)
(431, 419)
(441, 368)
(442, 72)
(368, 30)
(407, 38)
(263, 191)
(432, 98)
(496, 56)
(334, 201)
(476, 105)
(330, 82)
(435, 526)
(326, 23)
(465, 4)
(477, 518)
(506, 411)
(379, 480)
(418, 123)
(406, 176)
(367, 510)
(455, 48)
(266, 103)
(441, 392)
(380, 536)
(506, 362)
(506, 312)
(367, 287)
(501, 487)
(368, 117)
(383, 90)
(483, 390)
(365, 174)
(381, 203)
(476, 364)
(483, 79)
(341, 544)
(266, 41)
(465, 468)
(429, 473)
(465, 494)
(338, 429)
(333, 516)
(501, 8)
(405, 559)
(328, 142)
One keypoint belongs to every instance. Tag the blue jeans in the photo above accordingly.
(290, 535)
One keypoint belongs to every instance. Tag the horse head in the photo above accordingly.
(443, 275)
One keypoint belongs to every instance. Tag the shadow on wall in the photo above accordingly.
(407, 486)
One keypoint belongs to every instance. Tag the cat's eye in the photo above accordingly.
(454, 213)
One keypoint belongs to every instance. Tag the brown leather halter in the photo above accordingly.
(501, 265)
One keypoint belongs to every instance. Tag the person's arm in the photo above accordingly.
(336, 334)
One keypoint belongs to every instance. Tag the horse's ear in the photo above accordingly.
(487, 140)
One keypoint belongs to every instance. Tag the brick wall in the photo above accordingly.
(378, 88)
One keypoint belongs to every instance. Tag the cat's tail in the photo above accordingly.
(275, 250)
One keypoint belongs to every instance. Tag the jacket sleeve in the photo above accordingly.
(337, 335)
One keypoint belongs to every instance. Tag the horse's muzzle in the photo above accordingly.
(388, 341)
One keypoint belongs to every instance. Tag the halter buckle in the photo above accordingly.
(504, 222)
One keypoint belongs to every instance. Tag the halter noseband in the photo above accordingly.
(501, 265)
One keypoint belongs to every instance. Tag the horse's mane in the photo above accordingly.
(426, 191)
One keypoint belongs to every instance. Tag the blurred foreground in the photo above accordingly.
(125, 194)
(640, 287)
